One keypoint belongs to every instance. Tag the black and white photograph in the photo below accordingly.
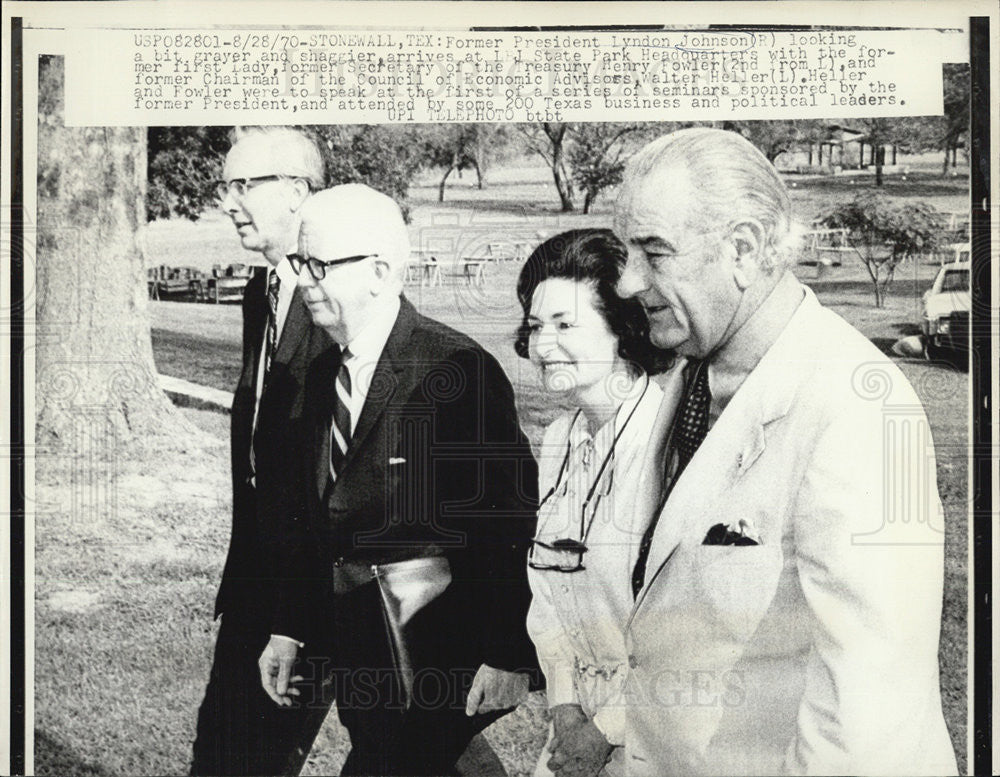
(591, 393)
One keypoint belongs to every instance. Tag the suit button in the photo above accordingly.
(339, 562)
(633, 662)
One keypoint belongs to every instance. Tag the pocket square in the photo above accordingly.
(742, 533)
(396, 460)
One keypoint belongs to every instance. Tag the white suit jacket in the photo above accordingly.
(815, 652)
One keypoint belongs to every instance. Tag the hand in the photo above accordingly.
(276, 668)
(496, 689)
(578, 747)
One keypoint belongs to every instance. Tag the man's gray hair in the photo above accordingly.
(298, 150)
(729, 179)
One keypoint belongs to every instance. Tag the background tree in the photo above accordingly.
(95, 375)
(184, 164)
(383, 156)
(550, 141)
(450, 147)
(884, 234)
(491, 143)
(597, 156)
(773, 138)
(956, 110)
(882, 132)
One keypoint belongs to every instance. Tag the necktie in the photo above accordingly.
(689, 430)
(273, 286)
(271, 341)
(340, 429)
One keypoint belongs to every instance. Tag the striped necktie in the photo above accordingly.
(689, 431)
(340, 429)
(273, 286)
(270, 344)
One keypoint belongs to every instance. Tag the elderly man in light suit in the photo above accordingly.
(789, 585)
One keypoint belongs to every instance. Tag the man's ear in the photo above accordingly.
(300, 190)
(747, 239)
(382, 275)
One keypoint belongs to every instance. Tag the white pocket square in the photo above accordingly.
(396, 460)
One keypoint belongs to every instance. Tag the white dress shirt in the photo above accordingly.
(577, 619)
(366, 349)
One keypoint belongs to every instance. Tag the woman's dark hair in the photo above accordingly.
(597, 257)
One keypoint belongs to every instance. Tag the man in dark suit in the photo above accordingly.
(269, 173)
(403, 570)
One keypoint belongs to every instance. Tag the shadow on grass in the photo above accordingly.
(523, 208)
(914, 185)
(53, 757)
(207, 362)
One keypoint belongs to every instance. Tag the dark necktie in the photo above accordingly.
(340, 428)
(270, 343)
(273, 286)
(689, 430)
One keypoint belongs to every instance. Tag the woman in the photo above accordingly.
(593, 353)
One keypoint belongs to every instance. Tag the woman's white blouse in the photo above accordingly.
(577, 619)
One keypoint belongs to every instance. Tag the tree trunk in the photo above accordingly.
(443, 181)
(479, 175)
(894, 148)
(564, 184)
(879, 163)
(810, 155)
(588, 198)
(96, 381)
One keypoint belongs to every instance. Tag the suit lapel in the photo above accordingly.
(385, 379)
(293, 332)
(731, 448)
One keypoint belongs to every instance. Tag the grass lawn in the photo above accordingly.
(123, 618)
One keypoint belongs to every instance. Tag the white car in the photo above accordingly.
(947, 302)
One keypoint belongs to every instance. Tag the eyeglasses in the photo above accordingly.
(317, 267)
(238, 187)
(563, 555)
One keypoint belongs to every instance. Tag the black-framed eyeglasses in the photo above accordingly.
(317, 267)
(238, 187)
(563, 555)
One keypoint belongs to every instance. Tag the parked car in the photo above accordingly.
(945, 323)
(228, 283)
(165, 282)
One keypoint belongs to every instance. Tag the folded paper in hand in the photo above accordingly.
(406, 587)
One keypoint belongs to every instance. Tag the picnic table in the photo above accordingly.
(820, 237)
(423, 268)
(473, 269)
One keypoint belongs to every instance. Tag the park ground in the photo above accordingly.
(128, 554)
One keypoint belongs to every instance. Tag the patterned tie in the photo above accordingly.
(340, 429)
(273, 286)
(689, 431)
(271, 341)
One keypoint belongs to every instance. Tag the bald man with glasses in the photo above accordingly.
(269, 174)
(403, 584)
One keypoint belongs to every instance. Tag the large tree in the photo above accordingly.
(773, 138)
(550, 140)
(597, 156)
(95, 376)
(884, 234)
(449, 147)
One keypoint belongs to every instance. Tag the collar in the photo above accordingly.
(286, 275)
(578, 433)
(368, 344)
(732, 363)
